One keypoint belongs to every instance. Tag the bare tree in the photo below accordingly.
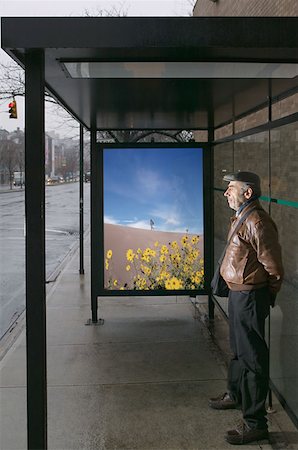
(192, 4)
(9, 157)
(114, 11)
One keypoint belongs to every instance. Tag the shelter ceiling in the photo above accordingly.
(147, 103)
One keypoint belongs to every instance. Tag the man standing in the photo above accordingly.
(252, 268)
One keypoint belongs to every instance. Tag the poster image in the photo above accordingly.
(153, 218)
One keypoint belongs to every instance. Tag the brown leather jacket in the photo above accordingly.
(253, 257)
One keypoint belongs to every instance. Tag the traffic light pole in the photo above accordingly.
(35, 251)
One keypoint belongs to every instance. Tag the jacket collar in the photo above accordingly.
(251, 203)
(244, 205)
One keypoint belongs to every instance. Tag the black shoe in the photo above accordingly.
(243, 434)
(222, 402)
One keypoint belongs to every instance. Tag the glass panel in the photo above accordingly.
(180, 70)
(62, 201)
(223, 163)
(222, 214)
(252, 154)
(284, 157)
(278, 172)
(12, 291)
(200, 135)
(223, 113)
(284, 325)
(224, 131)
(285, 107)
(252, 95)
(251, 120)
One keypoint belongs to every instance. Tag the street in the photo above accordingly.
(62, 234)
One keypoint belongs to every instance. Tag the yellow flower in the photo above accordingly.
(176, 258)
(163, 274)
(184, 240)
(168, 284)
(195, 239)
(128, 267)
(174, 244)
(164, 250)
(109, 254)
(115, 283)
(107, 264)
(141, 282)
(186, 268)
(195, 254)
(156, 244)
(122, 288)
(146, 270)
(130, 255)
(174, 283)
(162, 258)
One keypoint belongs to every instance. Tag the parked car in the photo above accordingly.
(19, 179)
(54, 180)
(87, 177)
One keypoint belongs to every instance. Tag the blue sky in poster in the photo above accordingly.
(162, 184)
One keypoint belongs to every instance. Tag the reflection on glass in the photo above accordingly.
(284, 156)
(252, 154)
(284, 325)
(12, 290)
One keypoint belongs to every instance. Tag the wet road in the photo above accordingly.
(62, 234)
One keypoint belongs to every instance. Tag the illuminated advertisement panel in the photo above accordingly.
(153, 219)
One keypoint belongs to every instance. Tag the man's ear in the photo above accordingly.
(248, 193)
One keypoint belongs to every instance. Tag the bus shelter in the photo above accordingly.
(196, 74)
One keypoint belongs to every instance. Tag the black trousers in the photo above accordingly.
(248, 375)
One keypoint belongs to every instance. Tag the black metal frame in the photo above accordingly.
(35, 252)
(97, 229)
(81, 200)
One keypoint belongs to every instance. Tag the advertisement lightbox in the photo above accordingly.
(153, 219)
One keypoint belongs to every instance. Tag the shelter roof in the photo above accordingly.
(146, 72)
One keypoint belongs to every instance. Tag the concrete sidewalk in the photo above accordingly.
(140, 381)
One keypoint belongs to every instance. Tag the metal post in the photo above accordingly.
(81, 200)
(210, 170)
(94, 221)
(35, 251)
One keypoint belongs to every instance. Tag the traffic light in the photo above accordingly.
(13, 110)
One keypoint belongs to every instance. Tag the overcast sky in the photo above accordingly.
(78, 8)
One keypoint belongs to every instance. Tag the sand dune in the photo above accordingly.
(121, 238)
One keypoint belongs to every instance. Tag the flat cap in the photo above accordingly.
(246, 177)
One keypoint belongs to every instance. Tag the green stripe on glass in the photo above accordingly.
(287, 203)
(270, 199)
